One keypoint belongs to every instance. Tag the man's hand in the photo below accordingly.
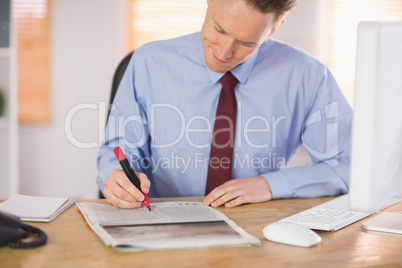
(120, 192)
(239, 191)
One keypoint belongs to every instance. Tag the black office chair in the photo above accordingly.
(118, 75)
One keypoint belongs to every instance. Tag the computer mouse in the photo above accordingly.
(291, 234)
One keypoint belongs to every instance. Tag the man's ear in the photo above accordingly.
(273, 30)
(276, 27)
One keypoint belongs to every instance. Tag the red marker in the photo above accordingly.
(130, 173)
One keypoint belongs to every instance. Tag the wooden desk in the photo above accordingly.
(71, 243)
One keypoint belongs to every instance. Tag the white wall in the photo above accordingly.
(87, 42)
(306, 28)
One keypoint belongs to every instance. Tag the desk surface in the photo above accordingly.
(71, 243)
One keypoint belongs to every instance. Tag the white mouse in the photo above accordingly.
(292, 234)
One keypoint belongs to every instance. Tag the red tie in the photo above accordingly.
(221, 156)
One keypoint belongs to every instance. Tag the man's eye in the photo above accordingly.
(218, 30)
(247, 44)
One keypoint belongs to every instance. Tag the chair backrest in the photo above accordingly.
(118, 75)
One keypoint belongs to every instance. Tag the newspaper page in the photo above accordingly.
(170, 225)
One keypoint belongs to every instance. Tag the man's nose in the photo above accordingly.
(226, 48)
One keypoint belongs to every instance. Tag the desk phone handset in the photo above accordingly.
(16, 234)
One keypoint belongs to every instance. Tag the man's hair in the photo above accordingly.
(273, 6)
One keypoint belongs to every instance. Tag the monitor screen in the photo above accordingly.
(376, 161)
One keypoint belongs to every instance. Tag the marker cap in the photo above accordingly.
(119, 154)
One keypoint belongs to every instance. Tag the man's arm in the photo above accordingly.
(326, 134)
(127, 128)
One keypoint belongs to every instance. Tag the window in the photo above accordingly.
(345, 17)
(160, 19)
(32, 23)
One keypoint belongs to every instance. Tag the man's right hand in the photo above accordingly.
(120, 192)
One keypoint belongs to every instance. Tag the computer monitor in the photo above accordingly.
(376, 160)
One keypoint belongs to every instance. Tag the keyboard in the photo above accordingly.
(329, 216)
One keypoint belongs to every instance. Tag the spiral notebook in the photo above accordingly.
(35, 208)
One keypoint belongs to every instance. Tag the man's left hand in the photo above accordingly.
(239, 191)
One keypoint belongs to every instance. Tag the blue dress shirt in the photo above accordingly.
(163, 118)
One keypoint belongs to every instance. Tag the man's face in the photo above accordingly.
(232, 32)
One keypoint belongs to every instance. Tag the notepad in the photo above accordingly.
(35, 208)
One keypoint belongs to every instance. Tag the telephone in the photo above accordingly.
(16, 234)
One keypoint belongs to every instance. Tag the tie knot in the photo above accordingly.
(228, 81)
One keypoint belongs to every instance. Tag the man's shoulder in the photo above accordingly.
(273, 49)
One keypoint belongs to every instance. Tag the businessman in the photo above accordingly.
(220, 113)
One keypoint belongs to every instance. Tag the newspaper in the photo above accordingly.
(170, 225)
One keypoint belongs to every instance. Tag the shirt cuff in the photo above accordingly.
(105, 173)
(280, 185)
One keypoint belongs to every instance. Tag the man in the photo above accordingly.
(167, 106)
